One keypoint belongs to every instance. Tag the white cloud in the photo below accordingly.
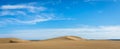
(23, 6)
(3, 13)
(14, 6)
(29, 13)
(20, 11)
(98, 32)
(6, 36)
(36, 19)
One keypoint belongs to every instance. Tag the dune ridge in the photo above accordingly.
(75, 38)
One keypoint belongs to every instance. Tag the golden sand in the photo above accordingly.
(68, 42)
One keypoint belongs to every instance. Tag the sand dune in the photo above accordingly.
(67, 38)
(12, 40)
(7, 40)
(19, 41)
(67, 42)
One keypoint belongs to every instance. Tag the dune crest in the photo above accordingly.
(73, 38)
(68, 38)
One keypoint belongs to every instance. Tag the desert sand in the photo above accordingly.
(66, 42)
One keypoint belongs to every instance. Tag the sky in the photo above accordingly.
(45, 19)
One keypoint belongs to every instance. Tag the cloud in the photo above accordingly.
(6, 36)
(27, 13)
(23, 6)
(90, 32)
(36, 19)
(27, 7)
(19, 12)
(15, 6)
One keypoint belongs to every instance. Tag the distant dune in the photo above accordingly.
(67, 38)
(66, 42)
(12, 40)
(19, 41)
(7, 40)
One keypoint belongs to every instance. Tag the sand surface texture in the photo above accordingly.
(67, 42)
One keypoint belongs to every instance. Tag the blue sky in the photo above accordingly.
(43, 19)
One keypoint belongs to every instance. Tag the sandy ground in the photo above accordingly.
(63, 44)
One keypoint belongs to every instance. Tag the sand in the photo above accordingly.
(7, 40)
(63, 43)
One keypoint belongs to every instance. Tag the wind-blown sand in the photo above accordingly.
(67, 42)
